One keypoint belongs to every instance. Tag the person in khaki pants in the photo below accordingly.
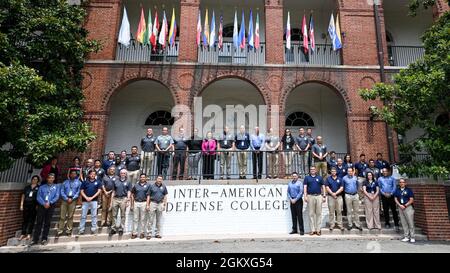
(120, 200)
(334, 187)
(314, 192)
(371, 192)
(139, 200)
(107, 188)
(404, 198)
(319, 155)
(242, 143)
(156, 204)
(70, 191)
(352, 199)
(272, 145)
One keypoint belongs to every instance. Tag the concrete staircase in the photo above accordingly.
(103, 232)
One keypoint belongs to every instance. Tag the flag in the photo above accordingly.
(312, 39)
(257, 31)
(163, 34)
(206, 31)
(141, 28)
(173, 29)
(154, 37)
(288, 32)
(338, 30)
(251, 41)
(242, 32)
(220, 45)
(148, 29)
(332, 32)
(305, 35)
(212, 37)
(235, 31)
(199, 27)
(124, 32)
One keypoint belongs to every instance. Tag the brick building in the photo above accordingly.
(128, 89)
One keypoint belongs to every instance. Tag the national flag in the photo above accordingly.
(173, 29)
(242, 32)
(163, 34)
(338, 30)
(251, 41)
(212, 36)
(235, 31)
(124, 32)
(141, 28)
(332, 32)
(199, 27)
(220, 44)
(148, 29)
(305, 35)
(312, 39)
(154, 37)
(288, 31)
(206, 31)
(257, 31)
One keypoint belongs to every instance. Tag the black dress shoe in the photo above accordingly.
(120, 232)
(293, 232)
(349, 228)
(302, 233)
(112, 232)
(359, 228)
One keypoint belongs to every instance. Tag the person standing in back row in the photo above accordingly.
(133, 163)
(164, 144)
(319, 153)
(242, 145)
(179, 158)
(148, 152)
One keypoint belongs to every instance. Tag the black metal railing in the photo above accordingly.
(224, 164)
(19, 172)
(137, 52)
(322, 55)
(404, 55)
(228, 54)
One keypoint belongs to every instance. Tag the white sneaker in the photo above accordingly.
(405, 239)
(412, 240)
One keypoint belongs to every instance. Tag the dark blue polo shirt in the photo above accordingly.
(242, 141)
(371, 187)
(382, 164)
(140, 191)
(361, 167)
(90, 188)
(313, 184)
(341, 171)
(334, 184)
(404, 195)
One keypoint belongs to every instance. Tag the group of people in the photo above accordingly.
(338, 189)
(87, 188)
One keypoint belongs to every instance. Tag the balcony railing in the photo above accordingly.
(404, 55)
(323, 55)
(230, 55)
(138, 52)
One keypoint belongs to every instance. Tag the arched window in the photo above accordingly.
(159, 118)
(298, 119)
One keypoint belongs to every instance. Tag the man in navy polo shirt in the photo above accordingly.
(319, 154)
(404, 197)
(360, 168)
(314, 191)
(381, 163)
(120, 201)
(257, 142)
(111, 160)
(387, 188)
(373, 169)
(179, 159)
(295, 194)
(335, 187)
(340, 168)
(90, 190)
(242, 144)
(352, 199)
(303, 144)
(139, 199)
(332, 162)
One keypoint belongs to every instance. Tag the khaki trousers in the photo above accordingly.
(106, 209)
(315, 212)
(352, 203)
(407, 220)
(321, 168)
(119, 204)
(272, 162)
(288, 155)
(133, 176)
(225, 163)
(140, 218)
(335, 206)
(147, 159)
(67, 211)
(372, 209)
(242, 162)
(156, 210)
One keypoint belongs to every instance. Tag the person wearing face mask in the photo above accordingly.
(209, 147)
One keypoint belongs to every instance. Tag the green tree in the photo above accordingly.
(416, 96)
(43, 46)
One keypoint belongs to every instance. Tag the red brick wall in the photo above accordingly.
(440, 8)
(188, 25)
(10, 214)
(431, 210)
(274, 26)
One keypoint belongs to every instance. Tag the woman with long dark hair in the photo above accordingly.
(371, 192)
(28, 204)
(77, 167)
(288, 143)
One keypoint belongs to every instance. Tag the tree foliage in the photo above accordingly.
(43, 46)
(416, 97)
